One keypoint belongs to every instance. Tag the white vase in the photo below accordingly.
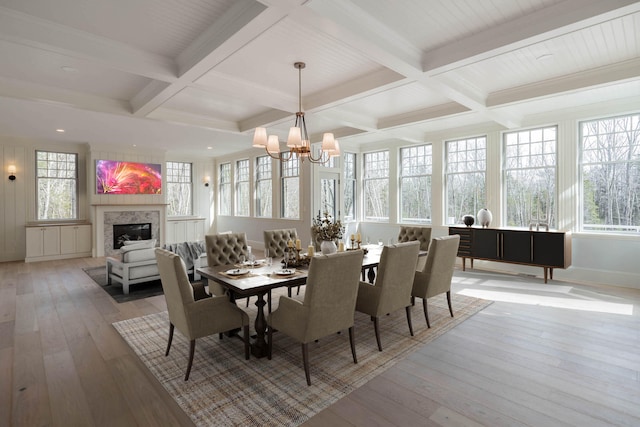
(484, 217)
(328, 247)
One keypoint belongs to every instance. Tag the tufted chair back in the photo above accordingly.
(421, 234)
(223, 249)
(275, 241)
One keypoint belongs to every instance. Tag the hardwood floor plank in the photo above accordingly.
(6, 373)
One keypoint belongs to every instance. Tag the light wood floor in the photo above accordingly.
(528, 359)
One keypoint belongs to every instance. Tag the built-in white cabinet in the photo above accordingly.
(49, 242)
(185, 230)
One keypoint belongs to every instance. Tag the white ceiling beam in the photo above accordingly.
(595, 77)
(349, 118)
(19, 28)
(553, 21)
(182, 118)
(422, 115)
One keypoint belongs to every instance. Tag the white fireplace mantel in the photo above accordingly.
(99, 211)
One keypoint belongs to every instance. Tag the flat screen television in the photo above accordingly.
(115, 177)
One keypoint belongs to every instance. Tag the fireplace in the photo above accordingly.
(123, 232)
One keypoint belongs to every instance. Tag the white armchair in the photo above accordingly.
(138, 265)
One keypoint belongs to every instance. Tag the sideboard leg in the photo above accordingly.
(545, 274)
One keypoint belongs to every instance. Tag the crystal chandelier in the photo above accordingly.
(298, 141)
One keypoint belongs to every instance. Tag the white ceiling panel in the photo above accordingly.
(188, 74)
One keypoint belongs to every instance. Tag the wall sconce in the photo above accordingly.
(12, 172)
(206, 180)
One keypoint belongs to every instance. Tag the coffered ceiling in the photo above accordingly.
(197, 76)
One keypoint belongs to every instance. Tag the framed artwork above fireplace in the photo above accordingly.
(117, 177)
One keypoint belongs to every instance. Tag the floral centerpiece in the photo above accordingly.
(327, 230)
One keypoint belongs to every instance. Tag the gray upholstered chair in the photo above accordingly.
(195, 318)
(421, 234)
(435, 278)
(328, 306)
(275, 241)
(224, 249)
(391, 290)
(275, 244)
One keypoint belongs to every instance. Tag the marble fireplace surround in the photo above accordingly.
(105, 216)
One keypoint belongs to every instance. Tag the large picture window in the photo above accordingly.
(530, 176)
(57, 185)
(376, 186)
(264, 191)
(242, 188)
(415, 183)
(465, 177)
(224, 189)
(610, 150)
(290, 176)
(179, 189)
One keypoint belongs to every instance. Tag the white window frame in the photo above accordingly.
(57, 169)
(416, 165)
(224, 189)
(376, 170)
(242, 188)
(466, 168)
(179, 178)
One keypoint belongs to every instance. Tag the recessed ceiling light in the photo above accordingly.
(60, 130)
(69, 69)
(134, 145)
(209, 148)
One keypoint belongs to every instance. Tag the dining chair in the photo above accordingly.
(275, 244)
(224, 249)
(391, 290)
(435, 278)
(421, 234)
(195, 318)
(328, 306)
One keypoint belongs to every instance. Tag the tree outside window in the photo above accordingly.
(224, 189)
(415, 184)
(290, 176)
(610, 151)
(179, 189)
(376, 186)
(465, 177)
(530, 176)
(242, 188)
(57, 185)
(264, 191)
(349, 186)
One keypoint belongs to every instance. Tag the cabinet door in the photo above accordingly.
(35, 244)
(68, 240)
(466, 235)
(516, 246)
(548, 249)
(486, 243)
(195, 230)
(83, 238)
(50, 241)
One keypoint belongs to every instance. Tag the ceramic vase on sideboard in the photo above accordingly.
(484, 217)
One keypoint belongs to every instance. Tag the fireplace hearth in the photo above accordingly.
(124, 232)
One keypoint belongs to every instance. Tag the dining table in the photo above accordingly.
(258, 279)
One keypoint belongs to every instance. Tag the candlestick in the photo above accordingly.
(289, 243)
(310, 251)
(298, 247)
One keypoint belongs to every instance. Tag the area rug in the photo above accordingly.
(225, 389)
(137, 291)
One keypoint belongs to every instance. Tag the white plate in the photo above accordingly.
(237, 272)
(286, 272)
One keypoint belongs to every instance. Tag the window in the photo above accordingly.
(57, 185)
(290, 176)
(611, 174)
(242, 188)
(224, 189)
(465, 177)
(263, 187)
(415, 184)
(349, 186)
(530, 176)
(376, 186)
(179, 189)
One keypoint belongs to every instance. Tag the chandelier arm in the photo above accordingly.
(281, 157)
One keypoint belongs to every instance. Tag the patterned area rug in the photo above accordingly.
(225, 389)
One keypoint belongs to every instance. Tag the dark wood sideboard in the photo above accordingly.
(547, 249)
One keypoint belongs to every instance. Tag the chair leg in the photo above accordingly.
(247, 302)
(377, 331)
(171, 327)
(246, 342)
(298, 293)
(449, 302)
(289, 291)
(305, 362)
(426, 313)
(352, 341)
(269, 300)
(269, 341)
(408, 310)
(192, 350)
